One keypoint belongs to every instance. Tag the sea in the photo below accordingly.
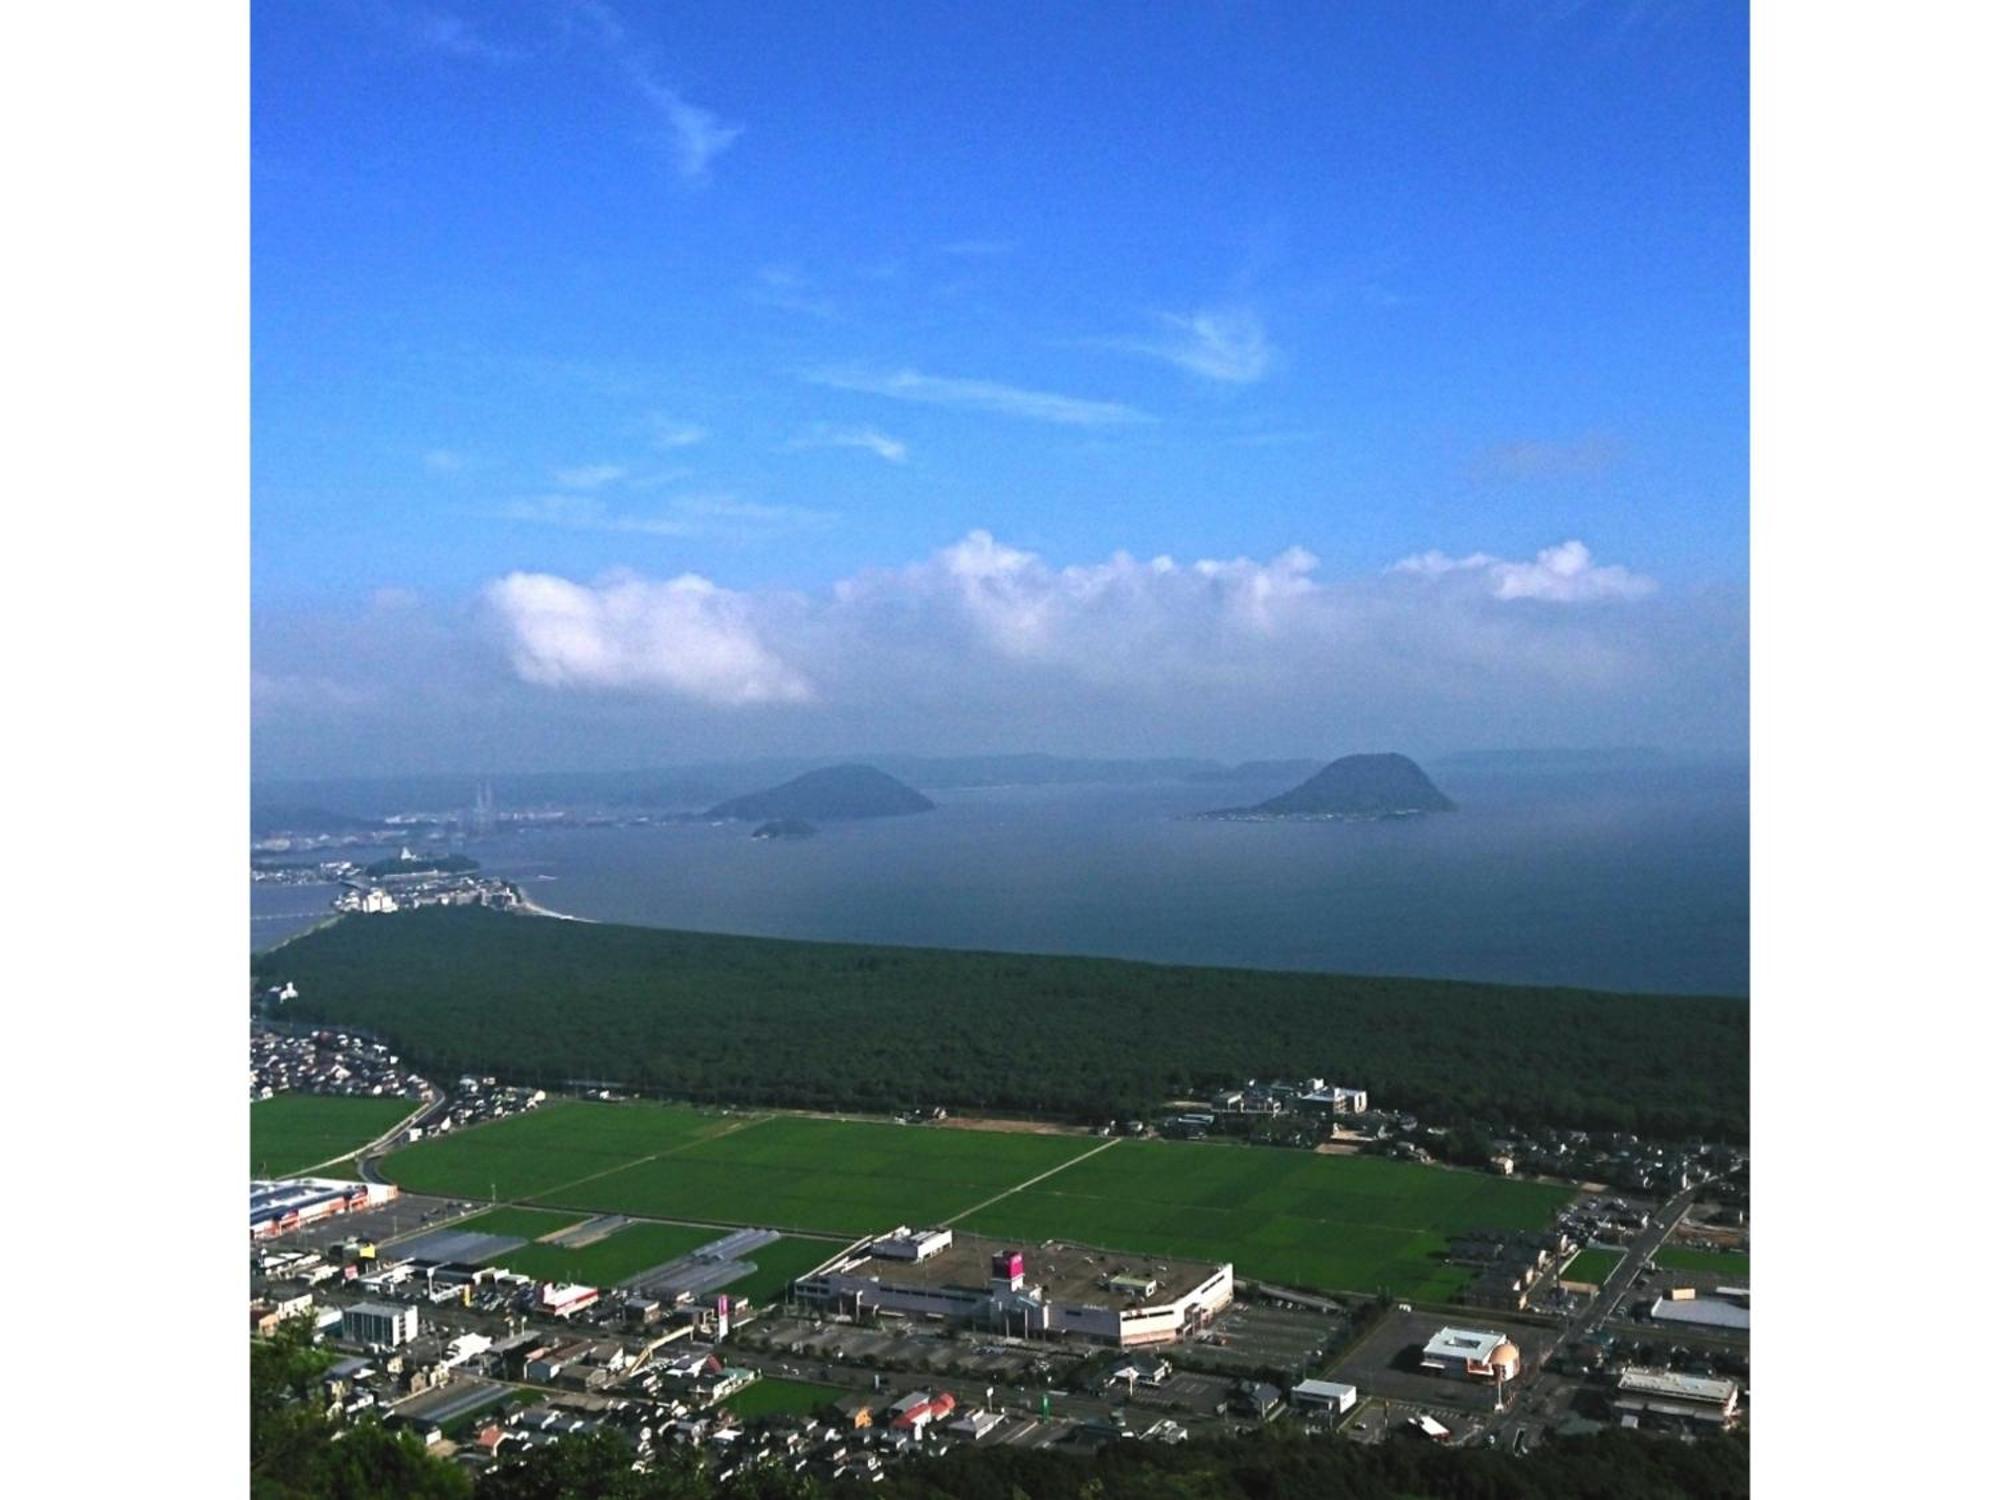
(1629, 877)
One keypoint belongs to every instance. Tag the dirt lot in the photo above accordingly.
(1015, 1127)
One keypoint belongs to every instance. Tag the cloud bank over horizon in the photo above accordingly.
(982, 644)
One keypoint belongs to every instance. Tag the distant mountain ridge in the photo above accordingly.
(1384, 785)
(826, 795)
(1257, 770)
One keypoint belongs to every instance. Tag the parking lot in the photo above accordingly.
(1388, 1362)
(1203, 1395)
(399, 1216)
(1253, 1336)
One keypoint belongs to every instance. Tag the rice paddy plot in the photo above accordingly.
(1593, 1266)
(607, 1262)
(1733, 1265)
(290, 1132)
(768, 1398)
(778, 1265)
(1338, 1223)
(529, 1154)
(836, 1176)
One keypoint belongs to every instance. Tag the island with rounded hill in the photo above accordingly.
(826, 795)
(1354, 787)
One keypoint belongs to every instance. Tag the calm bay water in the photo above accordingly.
(1628, 879)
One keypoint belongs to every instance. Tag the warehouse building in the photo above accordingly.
(1324, 1396)
(280, 1207)
(378, 1325)
(1472, 1354)
(1663, 1398)
(1728, 1310)
(1050, 1291)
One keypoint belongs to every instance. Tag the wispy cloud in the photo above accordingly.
(669, 432)
(695, 136)
(869, 439)
(454, 34)
(1537, 459)
(980, 395)
(1227, 344)
(444, 461)
(977, 249)
(589, 476)
(689, 517)
(425, 29)
(787, 288)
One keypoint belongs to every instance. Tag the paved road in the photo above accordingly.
(1530, 1398)
(366, 1158)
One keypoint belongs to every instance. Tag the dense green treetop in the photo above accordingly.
(744, 1020)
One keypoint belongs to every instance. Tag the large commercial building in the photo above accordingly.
(379, 1325)
(1472, 1354)
(279, 1207)
(1662, 1397)
(1047, 1291)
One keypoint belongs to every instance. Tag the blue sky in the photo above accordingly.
(790, 298)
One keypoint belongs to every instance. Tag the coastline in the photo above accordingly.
(535, 909)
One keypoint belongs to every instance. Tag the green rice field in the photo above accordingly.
(1593, 1266)
(789, 1397)
(1340, 1223)
(290, 1132)
(530, 1154)
(779, 1264)
(837, 1176)
(1732, 1265)
(606, 1262)
(1349, 1223)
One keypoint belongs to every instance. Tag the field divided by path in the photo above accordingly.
(1349, 1223)
(289, 1132)
(561, 1143)
(1332, 1222)
(836, 1176)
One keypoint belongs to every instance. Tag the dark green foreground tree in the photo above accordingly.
(296, 1452)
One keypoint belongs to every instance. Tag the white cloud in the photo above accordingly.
(980, 613)
(589, 476)
(977, 249)
(979, 395)
(1227, 344)
(869, 439)
(984, 642)
(685, 637)
(1563, 574)
(444, 461)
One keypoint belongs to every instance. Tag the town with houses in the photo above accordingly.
(916, 1338)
